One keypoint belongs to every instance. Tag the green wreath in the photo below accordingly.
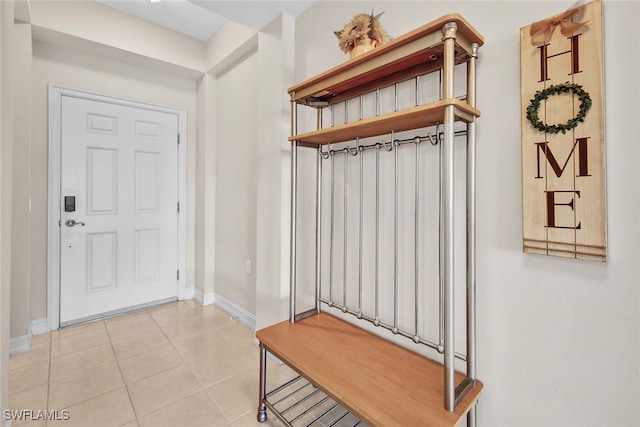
(534, 106)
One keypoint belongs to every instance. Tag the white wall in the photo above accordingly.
(250, 122)
(21, 179)
(275, 59)
(205, 184)
(6, 19)
(558, 340)
(94, 27)
(236, 182)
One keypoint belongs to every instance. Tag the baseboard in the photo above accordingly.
(237, 312)
(202, 298)
(21, 344)
(188, 293)
(39, 326)
(243, 316)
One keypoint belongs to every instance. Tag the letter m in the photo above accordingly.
(583, 164)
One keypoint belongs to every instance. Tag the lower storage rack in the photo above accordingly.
(298, 403)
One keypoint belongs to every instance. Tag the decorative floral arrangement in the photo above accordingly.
(534, 106)
(361, 28)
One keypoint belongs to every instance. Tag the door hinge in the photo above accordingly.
(177, 274)
(178, 207)
(178, 139)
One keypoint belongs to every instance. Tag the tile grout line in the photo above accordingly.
(49, 381)
(82, 373)
(133, 408)
(49, 374)
(203, 387)
(183, 363)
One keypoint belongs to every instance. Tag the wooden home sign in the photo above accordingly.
(563, 151)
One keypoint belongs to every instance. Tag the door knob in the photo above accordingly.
(73, 223)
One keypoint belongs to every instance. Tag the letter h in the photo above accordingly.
(544, 58)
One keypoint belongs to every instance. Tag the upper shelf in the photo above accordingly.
(413, 53)
(398, 121)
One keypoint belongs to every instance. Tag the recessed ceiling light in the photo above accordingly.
(154, 1)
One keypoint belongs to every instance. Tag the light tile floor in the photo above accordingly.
(179, 364)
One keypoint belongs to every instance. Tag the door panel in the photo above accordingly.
(102, 266)
(121, 164)
(102, 181)
(147, 182)
(147, 255)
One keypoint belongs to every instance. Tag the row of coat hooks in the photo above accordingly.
(432, 138)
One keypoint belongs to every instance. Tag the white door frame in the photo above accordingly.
(53, 221)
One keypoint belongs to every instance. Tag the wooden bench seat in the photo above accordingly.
(380, 382)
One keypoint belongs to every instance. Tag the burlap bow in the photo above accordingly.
(542, 31)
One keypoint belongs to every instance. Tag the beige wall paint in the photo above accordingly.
(226, 44)
(558, 340)
(21, 180)
(89, 24)
(251, 125)
(6, 138)
(252, 162)
(275, 62)
(236, 181)
(206, 187)
(229, 44)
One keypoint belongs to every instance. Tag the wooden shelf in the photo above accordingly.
(398, 121)
(421, 46)
(380, 382)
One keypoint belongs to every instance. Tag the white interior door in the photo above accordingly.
(119, 219)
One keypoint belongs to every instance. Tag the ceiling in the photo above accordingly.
(200, 19)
